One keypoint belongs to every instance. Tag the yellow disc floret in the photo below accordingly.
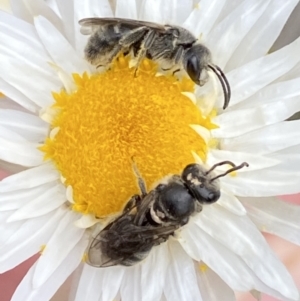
(116, 117)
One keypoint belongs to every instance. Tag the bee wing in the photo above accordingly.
(95, 256)
(88, 25)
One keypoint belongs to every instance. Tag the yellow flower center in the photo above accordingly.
(114, 118)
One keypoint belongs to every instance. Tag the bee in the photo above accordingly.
(149, 219)
(172, 46)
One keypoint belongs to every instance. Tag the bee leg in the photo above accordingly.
(146, 44)
(133, 202)
(141, 182)
(133, 36)
(177, 54)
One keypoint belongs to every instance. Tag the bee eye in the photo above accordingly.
(213, 197)
(204, 195)
(192, 68)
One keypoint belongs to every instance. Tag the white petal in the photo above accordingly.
(280, 91)
(241, 236)
(32, 177)
(94, 8)
(25, 290)
(43, 204)
(66, 12)
(7, 231)
(203, 17)
(13, 200)
(291, 158)
(200, 246)
(17, 96)
(231, 203)
(233, 29)
(255, 162)
(112, 279)
(266, 140)
(248, 120)
(10, 168)
(19, 9)
(203, 132)
(27, 125)
(181, 284)
(22, 153)
(212, 287)
(165, 11)
(25, 242)
(275, 216)
(53, 5)
(126, 9)
(40, 8)
(130, 288)
(176, 11)
(32, 60)
(8, 104)
(57, 249)
(9, 135)
(150, 12)
(266, 182)
(191, 96)
(59, 48)
(263, 34)
(153, 274)
(5, 5)
(225, 263)
(38, 86)
(89, 287)
(250, 78)
(69, 194)
(86, 221)
(54, 132)
(292, 74)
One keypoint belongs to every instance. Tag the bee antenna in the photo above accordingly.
(230, 170)
(224, 83)
(219, 164)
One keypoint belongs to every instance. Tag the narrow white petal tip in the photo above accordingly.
(191, 96)
(69, 194)
(197, 159)
(86, 221)
(54, 132)
(64, 77)
(202, 131)
(158, 74)
(63, 179)
(132, 63)
(48, 114)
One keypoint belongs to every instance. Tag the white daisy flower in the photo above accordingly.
(68, 134)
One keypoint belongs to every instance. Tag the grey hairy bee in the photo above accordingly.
(171, 45)
(149, 219)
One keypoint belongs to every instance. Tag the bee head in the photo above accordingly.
(201, 184)
(195, 62)
(204, 184)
